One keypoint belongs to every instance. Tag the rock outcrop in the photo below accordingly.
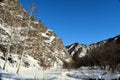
(23, 34)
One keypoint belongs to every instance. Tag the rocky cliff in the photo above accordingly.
(22, 34)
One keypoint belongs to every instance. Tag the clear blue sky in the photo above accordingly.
(83, 21)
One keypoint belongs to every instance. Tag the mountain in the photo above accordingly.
(105, 53)
(77, 50)
(82, 49)
(33, 51)
(21, 33)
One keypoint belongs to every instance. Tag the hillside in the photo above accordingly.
(22, 34)
(104, 54)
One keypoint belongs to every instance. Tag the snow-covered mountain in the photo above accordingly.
(77, 50)
(21, 34)
(81, 49)
(105, 54)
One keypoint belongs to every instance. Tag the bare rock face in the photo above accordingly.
(26, 35)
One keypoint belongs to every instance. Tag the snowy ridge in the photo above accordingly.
(81, 49)
(76, 48)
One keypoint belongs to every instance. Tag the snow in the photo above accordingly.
(26, 72)
(15, 33)
(73, 52)
(36, 22)
(34, 71)
(50, 38)
(76, 48)
(72, 46)
(83, 53)
(44, 34)
(20, 16)
(116, 38)
(7, 29)
(2, 4)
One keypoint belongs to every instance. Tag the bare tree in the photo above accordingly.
(18, 69)
(32, 11)
(8, 49)
(23, 52)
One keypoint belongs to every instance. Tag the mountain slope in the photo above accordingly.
(77, 50)
(105, 54)
(22, 34)
(83, 49)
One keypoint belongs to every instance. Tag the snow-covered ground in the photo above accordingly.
(60, 74)
(30, 70)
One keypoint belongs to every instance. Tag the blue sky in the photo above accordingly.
(83, 21)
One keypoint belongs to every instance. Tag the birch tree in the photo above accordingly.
(8, 48)
(8, 40)
(23, 52)
(31, 12)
